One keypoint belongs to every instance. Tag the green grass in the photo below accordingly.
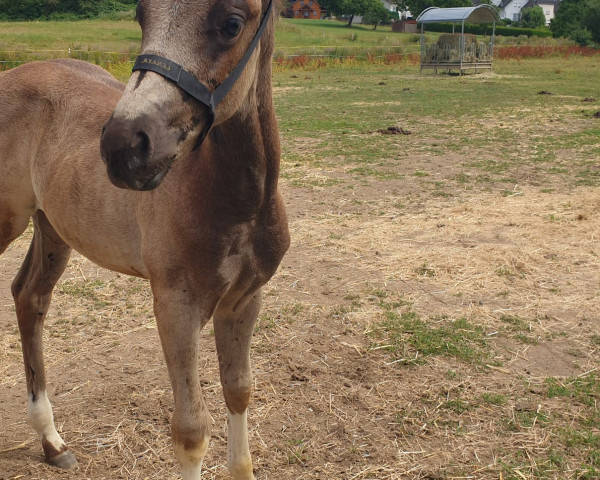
(410, 339)
(585, 390)
(88, 290)
(293, 37)
(503, 114)
(494, 399)
(97, 41)
(328, 37)
(101, 40)
(569, 434)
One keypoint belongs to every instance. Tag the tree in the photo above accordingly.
(578, 20)
(532, 17)
(591, 19)
(377, 15)
(566, 19)
(350, 7)
(44, 9)
(22, 9)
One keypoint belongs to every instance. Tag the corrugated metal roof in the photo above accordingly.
(480, 14)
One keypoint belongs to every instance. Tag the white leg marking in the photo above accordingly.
(191, 460)
(42, 420)
(239, 461)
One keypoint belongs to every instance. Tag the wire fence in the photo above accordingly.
(13, 58)
(297, 56)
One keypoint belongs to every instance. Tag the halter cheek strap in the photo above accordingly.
(189, 84)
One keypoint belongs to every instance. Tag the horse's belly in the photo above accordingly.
(117, 249)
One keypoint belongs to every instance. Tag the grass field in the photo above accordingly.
(437, 316)
(102, 41)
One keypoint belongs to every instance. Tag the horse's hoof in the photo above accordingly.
(65, 460)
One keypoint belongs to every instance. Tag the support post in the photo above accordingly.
(462, 46)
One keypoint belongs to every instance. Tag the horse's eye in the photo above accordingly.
(232, 27)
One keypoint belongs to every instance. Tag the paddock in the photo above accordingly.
(481, 229)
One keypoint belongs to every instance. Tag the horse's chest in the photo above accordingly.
(246, 257)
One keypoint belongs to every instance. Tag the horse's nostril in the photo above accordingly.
(141, 143)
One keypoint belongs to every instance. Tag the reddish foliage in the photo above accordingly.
(293, 62)
(392, 58)
(396, 58)
(526, 51)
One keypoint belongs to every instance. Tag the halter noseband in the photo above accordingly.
(189, 84)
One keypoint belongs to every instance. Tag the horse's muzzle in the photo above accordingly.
(138, 153)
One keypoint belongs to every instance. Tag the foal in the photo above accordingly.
(193, 143)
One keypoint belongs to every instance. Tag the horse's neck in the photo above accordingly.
(241, 156)
(239, 160)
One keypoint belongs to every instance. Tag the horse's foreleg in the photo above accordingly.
(32, 288)
(233, 335)
(179, 324)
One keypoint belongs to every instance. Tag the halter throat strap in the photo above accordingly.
(190, 84)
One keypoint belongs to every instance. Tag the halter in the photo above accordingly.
(189, 84)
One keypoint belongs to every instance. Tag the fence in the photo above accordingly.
(13, 58)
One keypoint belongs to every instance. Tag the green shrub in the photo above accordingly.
(582, 36)
(486, 29)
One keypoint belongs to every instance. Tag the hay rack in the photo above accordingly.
(458, 51)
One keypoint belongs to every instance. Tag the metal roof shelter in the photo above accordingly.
(480, 14)
(462, 52)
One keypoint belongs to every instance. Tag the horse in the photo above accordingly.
(172, 177)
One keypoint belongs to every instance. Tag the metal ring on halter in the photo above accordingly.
(188, 83)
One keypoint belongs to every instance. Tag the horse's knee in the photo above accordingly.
(31, 307)
(237, 396)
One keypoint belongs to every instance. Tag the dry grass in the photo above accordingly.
(327, 404)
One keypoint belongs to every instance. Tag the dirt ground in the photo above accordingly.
(330, 400)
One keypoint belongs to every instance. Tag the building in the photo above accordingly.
(511, 9)
(306, 9)
(548, 6)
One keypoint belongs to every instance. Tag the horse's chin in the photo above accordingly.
(148, 181)
(157, 179)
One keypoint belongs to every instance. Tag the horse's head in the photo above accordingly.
(198, 64)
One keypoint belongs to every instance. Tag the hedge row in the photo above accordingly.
(486, 29)
(61, 9)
